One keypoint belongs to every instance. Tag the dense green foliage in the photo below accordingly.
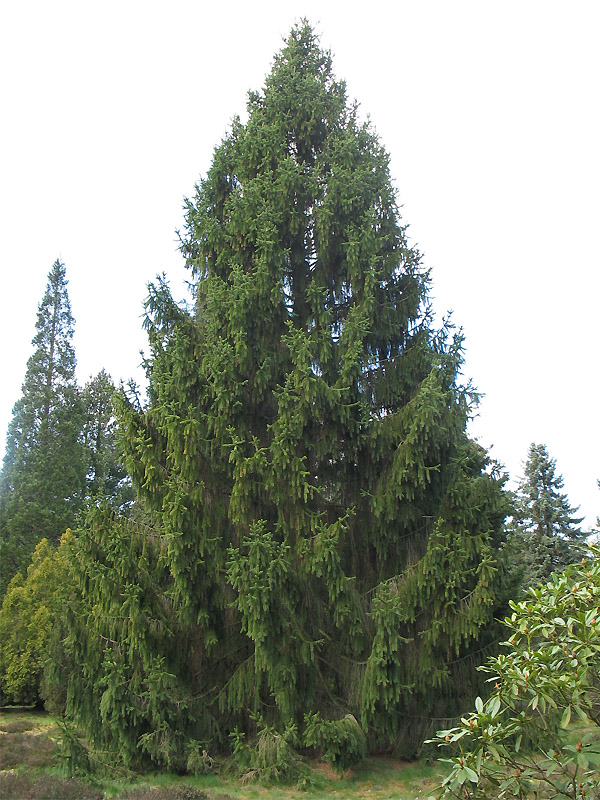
(545, 535)
(31, 619)
(315, 532)
(342, 742)
(519, 743)
(269, 757)
(43, 477)
(106, 476)
(62, 447)
(27, 618)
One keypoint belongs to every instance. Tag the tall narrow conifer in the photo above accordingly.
(546, 534)
(42, 481)
(321, 534)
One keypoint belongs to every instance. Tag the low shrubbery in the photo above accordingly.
(27, 619)
(538, 731)
(18, 786)
(270, 756)
(342, 742)
(183, 791)
(27, 748)
(275, 760)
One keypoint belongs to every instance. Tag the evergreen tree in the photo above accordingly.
(321, 535)
(546, 533)
(27, 618)
(105, 473)
(42, 481)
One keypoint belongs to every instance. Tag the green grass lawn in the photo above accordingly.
(29, 770)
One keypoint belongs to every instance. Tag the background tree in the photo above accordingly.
(321, 535)
(43, 476)
(546, 536)
(29, 610)
(106, 475)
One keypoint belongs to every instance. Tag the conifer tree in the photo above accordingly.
(106, 475)
(546, 531)
(321, 535)
(27, 618)
(42, 481)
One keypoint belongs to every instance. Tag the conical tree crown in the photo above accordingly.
(320, 534)
(546, 531)
(545, 507)
(43, 474)
(311, 308)
(54, 356)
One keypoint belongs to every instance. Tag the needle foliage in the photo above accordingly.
(43, 475)
(319, 537)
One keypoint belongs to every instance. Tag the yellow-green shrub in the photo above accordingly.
(26, 620)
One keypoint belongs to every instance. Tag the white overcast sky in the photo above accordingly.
(491, 113)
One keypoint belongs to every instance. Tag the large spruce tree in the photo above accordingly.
(42, 480)
(320, 534)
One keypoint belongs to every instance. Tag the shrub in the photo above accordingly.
(182, 791)
(27, 617)
(199, 761)
(18, 726)
(342, 742)
(26, 749)
(270, 757)
(49, 787)
(521, 739)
